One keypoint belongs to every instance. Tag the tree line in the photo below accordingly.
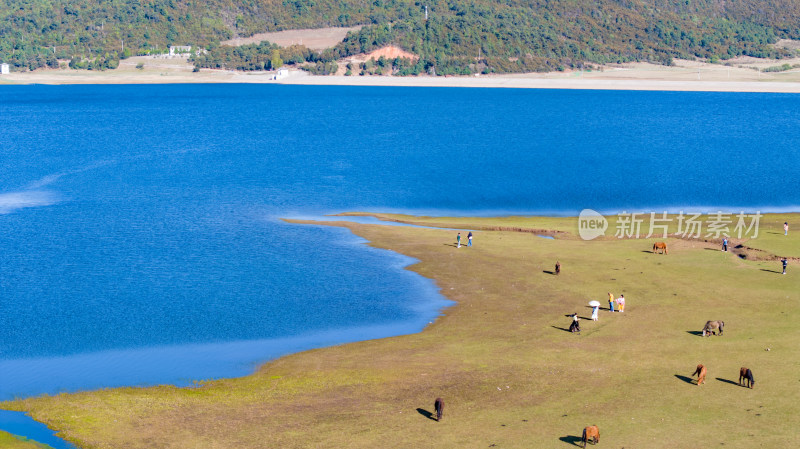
(458, 36)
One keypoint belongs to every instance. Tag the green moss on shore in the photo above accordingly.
(9, 441)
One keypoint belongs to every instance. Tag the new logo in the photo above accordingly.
(591, 224)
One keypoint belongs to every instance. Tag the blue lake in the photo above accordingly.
(17, 423)
(140, 240)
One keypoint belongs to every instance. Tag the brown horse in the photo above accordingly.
(660, 246)
(590, 433)
(438, 405)
(701, 374)
(746, 374)
(711, 326)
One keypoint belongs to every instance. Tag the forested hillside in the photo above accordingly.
(459, 36)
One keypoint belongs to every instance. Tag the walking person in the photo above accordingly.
(610, 302)
(785, 228)
(784, 262)
(594, 312)
(469, 239)
(458, 240)
(575, 326)
(725, 244)
(621, 303)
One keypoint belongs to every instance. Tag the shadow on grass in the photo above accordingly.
(714, 249)
(648, 251)
(598, 308)
(698, 333)
(571, 439)
(454, 245)
(561, 328)
(771, 271)
(728, 381)
(548, 272)
(426, 413)
(688, 380)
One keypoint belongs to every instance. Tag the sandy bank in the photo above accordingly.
(741, 76)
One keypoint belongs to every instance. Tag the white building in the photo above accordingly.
(176, 49)
(282, 73)
(4, 69)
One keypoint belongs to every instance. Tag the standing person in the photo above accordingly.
(725, 244)
(469, 239)
(785, 228)
(558, 267)
(784, 262)
(594, 312)
(458, 240)
(610, 302)
(621, 303)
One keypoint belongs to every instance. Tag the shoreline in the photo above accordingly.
(636, 77)
(512, 82)
(383, 351)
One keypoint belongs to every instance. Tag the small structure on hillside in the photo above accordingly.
(177, 49)
(282, 72)
(4, 69)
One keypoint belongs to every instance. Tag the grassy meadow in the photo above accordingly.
(510, 373)
(8, 441)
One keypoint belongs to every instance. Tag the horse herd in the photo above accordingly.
(591, 434)
(744, 375)
(711, 328)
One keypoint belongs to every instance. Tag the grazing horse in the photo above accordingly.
(660, 246)
(746, 374)
(710, 326)
(701, 374)
(590, 433)
(558, 267)
(438, 405)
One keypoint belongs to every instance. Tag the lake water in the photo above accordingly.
(140, 239)
(17, 423)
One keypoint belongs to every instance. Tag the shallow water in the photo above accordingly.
(139, 224)
(21, 424)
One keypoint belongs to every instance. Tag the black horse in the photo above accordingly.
(438, 405)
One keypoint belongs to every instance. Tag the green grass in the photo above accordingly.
(509, 373)
(9, 441)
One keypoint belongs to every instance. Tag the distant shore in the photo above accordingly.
(541, 82)
(740, 76)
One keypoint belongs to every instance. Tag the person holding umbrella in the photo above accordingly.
(595, 307)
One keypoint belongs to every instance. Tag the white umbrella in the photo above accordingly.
(594, 303)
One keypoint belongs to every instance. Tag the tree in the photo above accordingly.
(275, 59)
